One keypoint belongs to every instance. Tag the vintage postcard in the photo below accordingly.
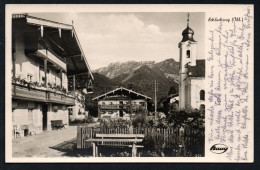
(142, 83)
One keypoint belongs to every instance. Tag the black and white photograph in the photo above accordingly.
(108, 84)
(91, 85)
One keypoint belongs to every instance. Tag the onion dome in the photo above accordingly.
(188, 33)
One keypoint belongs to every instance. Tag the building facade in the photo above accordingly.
(191, 73)
(121, 103)
(47, 62)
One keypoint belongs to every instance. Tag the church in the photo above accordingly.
(191, 73)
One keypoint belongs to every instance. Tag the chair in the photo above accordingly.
(17, 132)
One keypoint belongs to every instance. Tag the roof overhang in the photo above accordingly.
(62, 38)
(121, 89)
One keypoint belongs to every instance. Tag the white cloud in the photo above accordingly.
(122, 37)
(112, 37)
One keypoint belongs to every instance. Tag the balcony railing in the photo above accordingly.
(112, 106)
(41, 95)
(52, 58)
(121, 106)
(22, 92)
(60, 98)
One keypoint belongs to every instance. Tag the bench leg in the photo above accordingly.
(134, 150)
(94, 149)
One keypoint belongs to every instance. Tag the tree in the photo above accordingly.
(172, 90)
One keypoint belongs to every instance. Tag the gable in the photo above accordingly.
(121, 93)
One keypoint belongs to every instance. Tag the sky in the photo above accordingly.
(137, 36)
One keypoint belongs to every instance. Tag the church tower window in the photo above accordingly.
(188, 53)
(202, 95)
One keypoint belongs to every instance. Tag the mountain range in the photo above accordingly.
(140, 76)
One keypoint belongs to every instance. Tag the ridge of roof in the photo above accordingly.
(25, 15)
(121, 88)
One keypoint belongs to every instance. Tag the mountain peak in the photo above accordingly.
(115, 69)
(142, 75)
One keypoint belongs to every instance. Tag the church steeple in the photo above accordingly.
(187, 58)
(188, 19)
(188, 33)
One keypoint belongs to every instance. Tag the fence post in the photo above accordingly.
(79, 136)
(133, 150)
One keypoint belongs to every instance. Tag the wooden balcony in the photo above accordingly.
(121, 106)
(51, 58)
(25, 93)
(108, 107)
(60, 98)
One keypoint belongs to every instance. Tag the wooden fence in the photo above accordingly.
(192, 140)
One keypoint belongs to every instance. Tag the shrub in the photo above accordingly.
(139, 120)
(89, 119)
(76, 121)
(110, 123)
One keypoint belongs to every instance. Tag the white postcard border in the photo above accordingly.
(210, 10)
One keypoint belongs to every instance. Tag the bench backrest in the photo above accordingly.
(120, 135)
(56, 122)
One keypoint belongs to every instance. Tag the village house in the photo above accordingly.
(49, 73)
(191, 73)
(170, 102)
(121, 103)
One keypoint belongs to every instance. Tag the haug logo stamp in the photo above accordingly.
(219, 148)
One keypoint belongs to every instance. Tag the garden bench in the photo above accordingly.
(121, 139)
(57, 124)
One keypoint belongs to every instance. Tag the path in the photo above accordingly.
(42, 145)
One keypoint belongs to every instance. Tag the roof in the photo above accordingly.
(172, 95)
(187, 34)
(198, 70)
(62, 38)
(188, 30)
(120, 90)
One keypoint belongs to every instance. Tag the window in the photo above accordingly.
(79, 113)
(43, 79)
(30, 114)
(70, 110)
(42, 69)
(29, 77)
(188, 53)
(202, 95)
